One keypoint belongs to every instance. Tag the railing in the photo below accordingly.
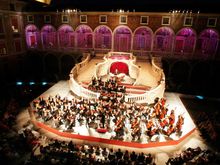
(102, 68)
(75, 87)
(149, 96)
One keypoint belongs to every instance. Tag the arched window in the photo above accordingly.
(32, 36)
(163, 40)
(84, 37)
(66, 37)
(122, 39)
(185, 41)
(207, 43)
(49, 37)
(142, 39)
(103, 37)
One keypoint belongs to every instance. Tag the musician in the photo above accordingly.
(170, 130)
(172, 118)
(179, 123)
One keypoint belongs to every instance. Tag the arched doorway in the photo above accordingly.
(66, 37)
(185, 41)
(142, 40)
(122, 39)
(32, 36)
(84, 37)
(207, 43)
(163, 40)
(49, 37)
(103, 38)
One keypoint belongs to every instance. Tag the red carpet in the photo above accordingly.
(112, 142)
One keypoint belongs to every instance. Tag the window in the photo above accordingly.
(65, 19)
(14, 24)
(102, 19)
(1, 25)
(47, 19)
(211, 22)
(17, 44)
(144, 20)
(83, 18)
(123, 19)
(12, 7)
(2, 48)
(30, 18)
(165, 20)
(188, 21)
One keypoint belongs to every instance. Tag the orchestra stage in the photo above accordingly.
(189, 138)
(159, 144)
(89, 134)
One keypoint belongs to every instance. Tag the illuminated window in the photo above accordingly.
(14, 24)
(83, 18)
(102, 19)
(165, 20)
(65, 19)
(30, 18)
(188, 21)
(144, 20)
(123, 19)
(211, 22)
(47, 19)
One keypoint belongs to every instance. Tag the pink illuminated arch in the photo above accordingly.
(66, 36)
(84, 37)
(185, 41)
(207, 43)
(32, 36)
(163, 40)
(49, 37)
(142, 38)
(122, 39)
(103, 37)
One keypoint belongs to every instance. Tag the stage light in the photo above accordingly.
(44, 83)
(19, 83)
(200, 97)
(31, 83)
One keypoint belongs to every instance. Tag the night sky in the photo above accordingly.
(139, 5)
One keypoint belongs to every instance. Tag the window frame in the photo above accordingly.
(123, 21)
(186, 19)
(45, 19)
(208, 25)
(165, 17)
(83, 17)
(100, 18)
(65, 20)
(28, 18)
(144, 23)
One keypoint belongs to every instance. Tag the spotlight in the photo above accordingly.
(44, 83)
(19, 83)
(31, 83)
(200, 97)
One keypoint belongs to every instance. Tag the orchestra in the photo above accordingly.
(113, 114)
